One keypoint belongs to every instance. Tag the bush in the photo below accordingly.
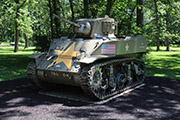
(41, 43)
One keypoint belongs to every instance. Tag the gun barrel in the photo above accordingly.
(65, 20)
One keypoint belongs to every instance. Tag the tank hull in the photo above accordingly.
(79, 62)
(59, 77)
(70, 53)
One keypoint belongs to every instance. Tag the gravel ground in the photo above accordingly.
(158, 99)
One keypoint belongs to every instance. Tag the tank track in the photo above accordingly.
(103, 80)
(33, 78)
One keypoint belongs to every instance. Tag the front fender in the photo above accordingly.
(37, 57)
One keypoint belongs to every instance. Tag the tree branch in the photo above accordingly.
(21, 4)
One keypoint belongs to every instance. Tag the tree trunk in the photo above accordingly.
(94, 11)
(86, 13)
(72, 10)
(51, 17)
(130, 20)
(26, 42)
(63, 12)
(167, 25)
(109, 6)
(157, 25)
(139, 18)
(16, 32)
(55, 20)
(16, 24)
(167, 44)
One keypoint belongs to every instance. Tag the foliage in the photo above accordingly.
(124, 14)
(42, 43)
(169, 8)
(34, 18)
(6, 20)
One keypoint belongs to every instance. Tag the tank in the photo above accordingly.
(96, 60)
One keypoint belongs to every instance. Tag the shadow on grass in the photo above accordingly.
(177, 56)
(158, 99)
(27, 50)
(7, 50)
(13, 66)
(166, 67)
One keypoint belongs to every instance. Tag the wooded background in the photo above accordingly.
(32, 21)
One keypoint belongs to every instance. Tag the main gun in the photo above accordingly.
(67, 21)
(82, 28)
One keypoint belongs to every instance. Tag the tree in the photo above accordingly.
(51, 17)
(55, 11)
(139, 21)
(109, 6)
(72, 10)
(26, 42)
(168, 11)
(25, 25)
(86, 13)
(167, 25)
(93, 7)
(157, 25)
(26, 22)
(19, 5)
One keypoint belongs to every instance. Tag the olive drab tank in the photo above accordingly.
(95, 59)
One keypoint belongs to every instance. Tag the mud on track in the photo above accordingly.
(158, 99)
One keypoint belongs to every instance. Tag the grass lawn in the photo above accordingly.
(4, 43)
(163, 63)
(13, 65)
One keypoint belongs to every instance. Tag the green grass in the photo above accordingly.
(13, 65)
(163, 63)
(5, 43)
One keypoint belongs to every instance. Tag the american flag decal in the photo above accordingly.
(108, 49)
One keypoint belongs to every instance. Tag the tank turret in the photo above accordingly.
(93, 28)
